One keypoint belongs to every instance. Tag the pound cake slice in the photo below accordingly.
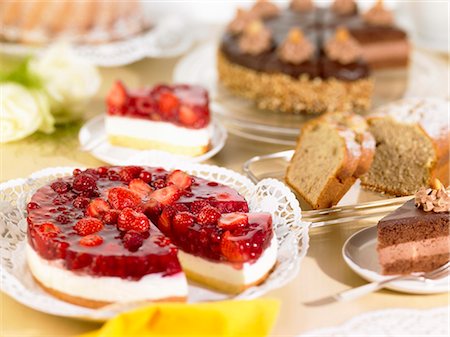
(332, 152)
(416, 236)
(412, 146)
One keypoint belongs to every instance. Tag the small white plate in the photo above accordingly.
(360, 254)
(93, 139)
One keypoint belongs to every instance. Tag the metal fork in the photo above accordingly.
(354, 293)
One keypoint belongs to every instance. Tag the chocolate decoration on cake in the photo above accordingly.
(343, 48)
(301, 6)
(436, 198)
(296, 48)
(264, 9)
(378, 15)
(241, 19)
(255, 39)
(344, 7)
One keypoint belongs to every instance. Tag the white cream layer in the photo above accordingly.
(225, 272)
(156, 131)
(106, 289)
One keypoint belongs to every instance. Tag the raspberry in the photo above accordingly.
(32, 205)
(208, 216)
(97, 207)
(120, 198)
(128, 173)
(88, 226)
(181, 222)
(91, 240)
(49, 229)
(81, 202)
(131, 220)
(63, 219)
(145, 176)
(133, 240)
(60, 187)
(113, 175)
(198, 205)
(84, 183)
(110, 217)
(159, 183)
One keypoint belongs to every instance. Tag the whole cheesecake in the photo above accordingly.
(306, 59)
(125, 234)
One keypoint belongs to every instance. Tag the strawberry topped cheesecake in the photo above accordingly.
(172, 118)
(123, 234)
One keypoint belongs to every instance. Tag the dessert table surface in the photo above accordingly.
(305, 301)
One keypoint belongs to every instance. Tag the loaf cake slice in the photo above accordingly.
(412, 146)
(332, 152)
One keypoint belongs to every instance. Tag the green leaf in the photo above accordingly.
(22, 75)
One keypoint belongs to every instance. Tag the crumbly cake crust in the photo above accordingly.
(282, 92)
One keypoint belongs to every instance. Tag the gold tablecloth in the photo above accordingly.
(323, 271)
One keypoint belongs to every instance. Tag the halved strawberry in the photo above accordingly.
(230, 248)
(233, 220)
(129, 219)
(152, 209)
(168, 102)
(110, 217)
(165, 220)
(120, 198)
(117, 96)
(187, 116)
(140, 187)
(97, 207)
(180, 179)
(128, 173)
(91, 240)
(167, 195)
(88, 226)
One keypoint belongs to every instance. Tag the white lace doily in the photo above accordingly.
(392, 322)
(268, 195)
(168, 38)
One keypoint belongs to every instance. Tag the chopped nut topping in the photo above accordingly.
(343, 48)
(436, 198)
(255, 39)
(296, 48)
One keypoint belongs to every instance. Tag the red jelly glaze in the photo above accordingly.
(180, 104)
(126, 256)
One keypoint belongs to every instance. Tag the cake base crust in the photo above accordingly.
(143, 144)
(276, 91)
(93, 304)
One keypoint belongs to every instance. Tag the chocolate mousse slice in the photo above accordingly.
(416, 236)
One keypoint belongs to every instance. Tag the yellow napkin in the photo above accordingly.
(228, 318)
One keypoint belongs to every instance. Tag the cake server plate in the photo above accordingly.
(359, 252)
(93, 139)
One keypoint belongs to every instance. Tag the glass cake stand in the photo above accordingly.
(426, 76)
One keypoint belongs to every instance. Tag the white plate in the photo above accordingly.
(168, 38)
(268, 195)
(360, 254)
(93, 139)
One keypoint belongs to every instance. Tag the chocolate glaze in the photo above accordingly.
(317, 26)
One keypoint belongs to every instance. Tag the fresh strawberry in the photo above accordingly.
(88, 226)
(120, 198)
(91, 240)
(152, 208)
(110, 217)
(168, 102)
(165, 220)
(133, 240)
(167, 195)
(181, 222)
(187, 116)
(97, 207)
(117, 96)
(180, 179)
(129, 219)
(128, 173)
(140, 187)
(49, 229)
(233, 220)
(198, 205)
(230, 248)
(208, 216)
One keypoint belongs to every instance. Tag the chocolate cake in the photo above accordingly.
(416, 236)
(306, 59)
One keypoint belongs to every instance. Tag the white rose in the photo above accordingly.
(22, 112)
(69, 81)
